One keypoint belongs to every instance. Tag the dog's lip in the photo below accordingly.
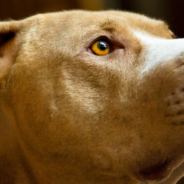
(155, 172)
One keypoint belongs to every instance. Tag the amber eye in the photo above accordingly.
(101, 48)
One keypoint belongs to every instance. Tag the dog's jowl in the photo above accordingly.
(91, 98)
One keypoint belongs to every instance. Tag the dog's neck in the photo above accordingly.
(17, 160)
(8, 145)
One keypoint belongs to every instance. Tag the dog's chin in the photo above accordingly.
(156, 172)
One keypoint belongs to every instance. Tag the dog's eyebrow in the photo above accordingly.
(109, 26)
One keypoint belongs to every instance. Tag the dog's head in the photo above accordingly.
(94, 97)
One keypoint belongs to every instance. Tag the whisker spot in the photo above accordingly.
(179, 113)
(168, 103)
(177, 102)
(182, 89)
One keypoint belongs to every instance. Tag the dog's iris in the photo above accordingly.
(101, 48)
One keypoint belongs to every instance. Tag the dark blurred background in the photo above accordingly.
(169, 10)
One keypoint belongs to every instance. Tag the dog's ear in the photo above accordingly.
(9, 44)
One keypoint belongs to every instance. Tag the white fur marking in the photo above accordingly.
(157, 50)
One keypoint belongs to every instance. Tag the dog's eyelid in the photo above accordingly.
(103, 38)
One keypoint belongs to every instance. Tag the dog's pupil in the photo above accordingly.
(102, 45)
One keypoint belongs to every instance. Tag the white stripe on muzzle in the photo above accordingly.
(158, 50)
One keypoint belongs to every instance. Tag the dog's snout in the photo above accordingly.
(158, 51)
(175, 107)
(179, 61)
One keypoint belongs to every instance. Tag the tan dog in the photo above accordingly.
(90, 98)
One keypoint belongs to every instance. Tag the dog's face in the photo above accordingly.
(93, 97)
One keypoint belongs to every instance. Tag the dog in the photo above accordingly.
(91, 98)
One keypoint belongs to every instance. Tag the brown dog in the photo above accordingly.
(90, 98)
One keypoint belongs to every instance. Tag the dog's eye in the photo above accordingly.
(101, 48)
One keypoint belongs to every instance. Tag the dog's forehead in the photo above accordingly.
(114, 20)
(76, 30)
